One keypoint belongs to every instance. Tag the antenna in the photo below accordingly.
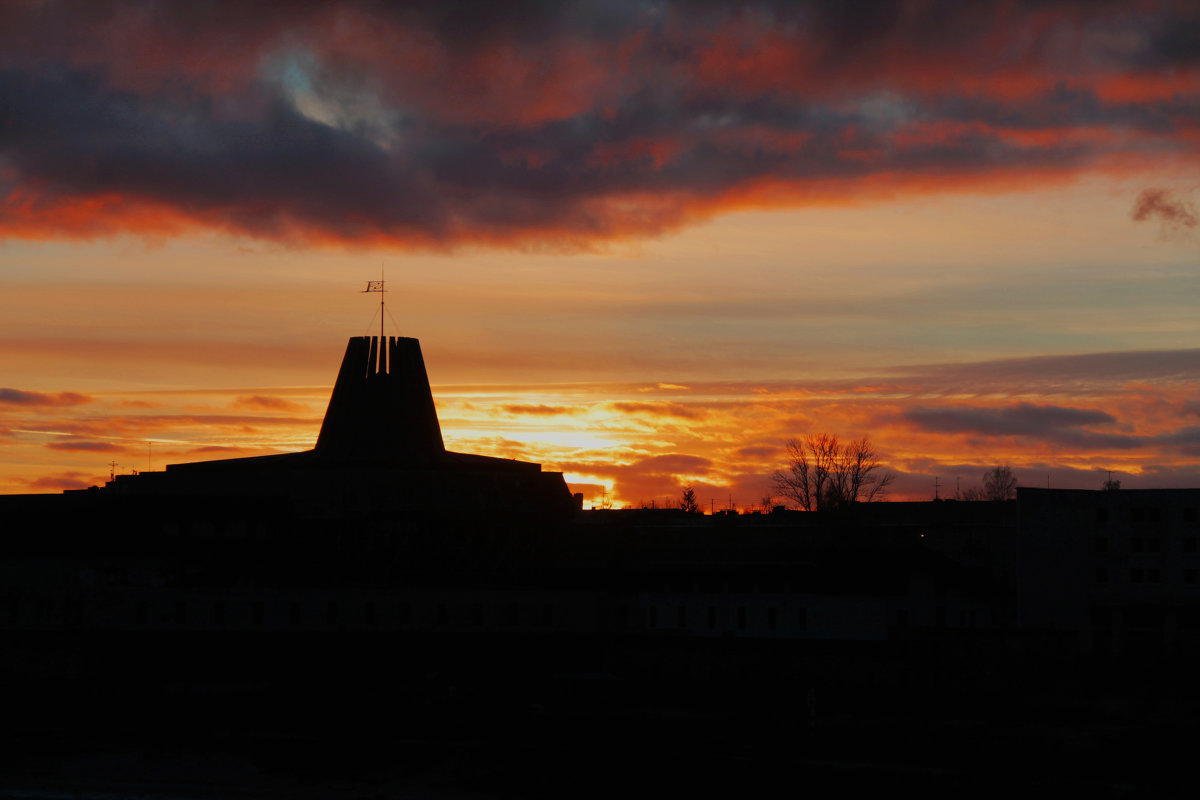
(378, 286)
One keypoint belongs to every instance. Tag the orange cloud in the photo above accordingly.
(677, 410)
(65, 480)
(17, 397)
(88, 447)
(269, 403)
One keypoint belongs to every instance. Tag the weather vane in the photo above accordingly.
(377, 286)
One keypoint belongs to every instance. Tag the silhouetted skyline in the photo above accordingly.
(644, 244)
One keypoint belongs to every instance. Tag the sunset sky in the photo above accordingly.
(643, 243)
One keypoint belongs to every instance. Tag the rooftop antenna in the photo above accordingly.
(377, 286)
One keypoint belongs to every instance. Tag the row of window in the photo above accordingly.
(507, 615)
(772, 619)
(1145, 575)
(1143, 515)
(1146, 544)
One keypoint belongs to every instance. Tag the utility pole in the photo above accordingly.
(935, 487)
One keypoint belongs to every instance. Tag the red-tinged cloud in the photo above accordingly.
(86, 447)
(267, 403)
(677, 410)
(18, 397)
(529, 123)
(64, 480)
(540, 410)
(1175, 214)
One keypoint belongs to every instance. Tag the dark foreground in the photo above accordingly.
(165, 719)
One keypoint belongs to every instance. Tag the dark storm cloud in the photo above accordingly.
(1023, 419)
(1065, 373)
(1056, 425)
(439, 123)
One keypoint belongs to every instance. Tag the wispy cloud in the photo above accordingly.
(87, 447)
(1175, 214)
(18, 397)
(540, 410)
(269, 403)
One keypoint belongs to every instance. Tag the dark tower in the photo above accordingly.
(381, 412)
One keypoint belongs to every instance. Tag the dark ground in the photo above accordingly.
(341, 722)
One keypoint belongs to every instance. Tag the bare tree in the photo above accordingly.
(999, 483)
(972, 493)
(823, 474)
(687, 501)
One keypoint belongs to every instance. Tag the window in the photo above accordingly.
(741, 618)
(1102, 575)
(1189, 576)
(1153, 544)
(712, 617)
(1189, 515)
(1136, 575)
(802, 618)
(219, 613)
(771, 619)
(683, 616)
(652, 615)
(1137, 544)
(256, 612)
(1101, 544)
(294, 613)
(1152, 575)
(1189, 544)
(1101, 517)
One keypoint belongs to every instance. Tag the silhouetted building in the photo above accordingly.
(380, 447)
(1117, 572)
(381, 560)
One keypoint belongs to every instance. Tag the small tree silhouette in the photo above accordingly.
(999, 483)
(687, 501)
